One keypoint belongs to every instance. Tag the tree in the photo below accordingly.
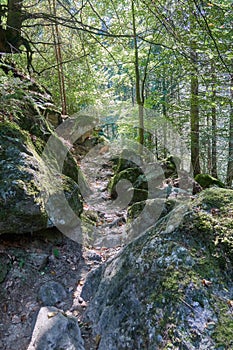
(10, 36)
(194, 98)
(230, 148)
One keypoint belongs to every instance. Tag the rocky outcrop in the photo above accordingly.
(27, 187)
(55, 330)
(172, 287)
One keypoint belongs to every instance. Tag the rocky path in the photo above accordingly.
(30, 263)
(108, 215)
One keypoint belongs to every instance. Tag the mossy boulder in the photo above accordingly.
(206, 181)
(171, 288)
(154, 207)
(27, 185)
(130, 175)
(128, 159)
(138, 195)
(28, 104)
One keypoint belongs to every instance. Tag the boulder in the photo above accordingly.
(51, 293)
(171, 288)
(206, 181)
(128, 159)
(28, 187)
(187, 183)
(130, 175)
(140, 182)
(54, 330)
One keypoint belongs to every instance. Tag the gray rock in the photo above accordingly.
(4, 266)
(54, 330)
(29, 191)
(158, 283)
(51, 293)
(92, 256)
(39, 260)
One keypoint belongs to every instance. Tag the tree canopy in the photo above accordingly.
(171, 59)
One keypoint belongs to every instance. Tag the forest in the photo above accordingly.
(154, 68)
(116, 175)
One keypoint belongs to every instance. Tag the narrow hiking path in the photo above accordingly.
(33, 261)
(108, 215)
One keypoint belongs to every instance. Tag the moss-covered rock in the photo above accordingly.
(130, 175)
(26, 184)
(172, 287)
(206, 181)
(153, 206)
(128, 159)
(28, 104)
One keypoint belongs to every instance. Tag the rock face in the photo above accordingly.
(54, 330)
(26, 185)
(172, 287)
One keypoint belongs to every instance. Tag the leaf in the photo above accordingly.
(97, 340)
(206, 283)
(52, 314)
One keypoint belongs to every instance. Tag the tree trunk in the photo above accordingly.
(214, 126)
(230, 152)
(209, 146)
(194, 119)
(14, 20)
(194, 101)
(10, 33)
(139, 97)
(164, 99)
(58, 54)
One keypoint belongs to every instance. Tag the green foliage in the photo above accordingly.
(56, 253)
(13, 94)
(99, 66)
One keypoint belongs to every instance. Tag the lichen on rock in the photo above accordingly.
(170, 288)
(26, 183)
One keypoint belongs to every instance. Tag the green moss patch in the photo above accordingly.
(206, 181)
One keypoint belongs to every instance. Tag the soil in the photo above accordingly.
(28, 261)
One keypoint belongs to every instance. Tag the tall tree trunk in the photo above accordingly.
(214, 125)
(138, 90)
(194, 117)
(230, 152)
(209, 145)
(14, 21)
(194, 100)
(164, 107)
(58, 54)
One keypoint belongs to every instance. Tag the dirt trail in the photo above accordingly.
(32, 260)
(110, 217)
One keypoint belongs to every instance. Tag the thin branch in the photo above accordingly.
(212, 36)
(61, 63)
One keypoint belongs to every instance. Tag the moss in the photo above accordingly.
(223, 333)
(11, 129)
(39, 145)
(215, 198)
(130, 175)
(206, 181)
(135, 209)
